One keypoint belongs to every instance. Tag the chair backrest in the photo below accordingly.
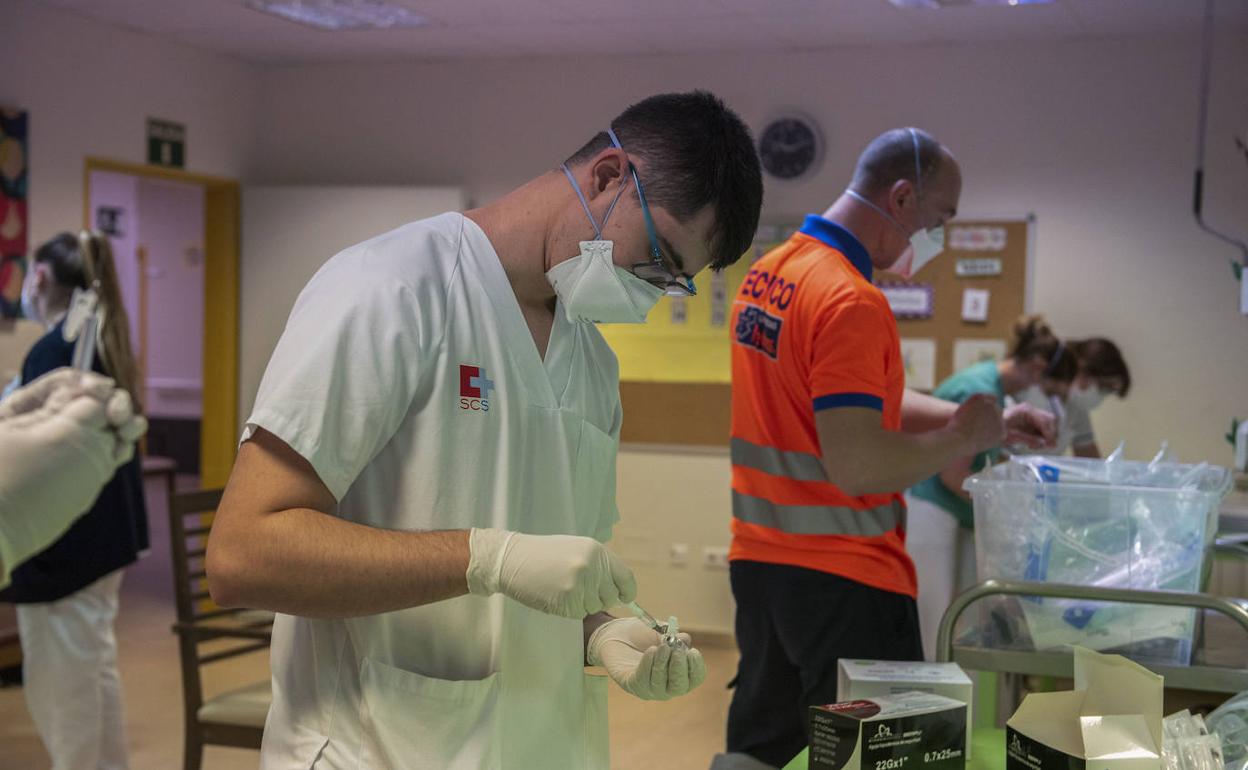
(199, 619)
(190, 520)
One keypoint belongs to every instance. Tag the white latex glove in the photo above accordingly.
(563, 575)
(1030, 427)
(53, 462)
(54, 390)
(65, 383)
(638, 660)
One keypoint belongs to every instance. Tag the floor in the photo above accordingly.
(685, 732)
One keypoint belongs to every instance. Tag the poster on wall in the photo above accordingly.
(13, 214)
(919, 358)
(967, 352)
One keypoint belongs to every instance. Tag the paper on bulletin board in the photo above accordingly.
(967, 352)
(696, 348)
(975, 305)
(919, 359)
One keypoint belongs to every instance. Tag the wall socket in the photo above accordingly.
(715, 557)
(679, 553)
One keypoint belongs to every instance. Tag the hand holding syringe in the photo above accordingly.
(669, 631)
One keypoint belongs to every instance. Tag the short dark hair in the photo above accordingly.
(1099, 357)
(698, 152)
(890, 157)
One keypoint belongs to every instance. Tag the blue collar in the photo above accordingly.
(840, 239)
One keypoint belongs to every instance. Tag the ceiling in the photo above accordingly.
(460, 29)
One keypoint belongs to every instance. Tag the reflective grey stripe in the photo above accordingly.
(817, 519)
(777, 462)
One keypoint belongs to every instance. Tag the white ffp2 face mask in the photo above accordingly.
(592, 288)
(1086, 399)
(30, 309)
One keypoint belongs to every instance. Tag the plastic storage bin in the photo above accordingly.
(1114, 523)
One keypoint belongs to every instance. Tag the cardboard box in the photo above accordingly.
(858, 679)
(1111, 721)
(908, 731)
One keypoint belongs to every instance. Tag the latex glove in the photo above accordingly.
(65, 383)
(54, 390)
(641, 663)
(561, 575)
(1031, 427)
(53, 462)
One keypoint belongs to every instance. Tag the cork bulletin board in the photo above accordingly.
(989, 257)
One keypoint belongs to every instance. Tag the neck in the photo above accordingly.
(1013, 380)
(52, 315)
(866, 225)
(520, 226)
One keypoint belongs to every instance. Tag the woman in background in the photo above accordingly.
(1102, 373)
(67, 595)
(940, 522)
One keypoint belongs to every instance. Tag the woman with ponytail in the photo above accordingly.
(67, 596)
(940, 535)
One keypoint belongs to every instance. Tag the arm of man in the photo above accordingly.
(861, 457)
(956, 472)
(921, 413)
(275, 544)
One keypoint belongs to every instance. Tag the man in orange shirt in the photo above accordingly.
(824, 439)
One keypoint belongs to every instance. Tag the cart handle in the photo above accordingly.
(1234, 609)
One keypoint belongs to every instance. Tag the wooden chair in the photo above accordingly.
(234, 718)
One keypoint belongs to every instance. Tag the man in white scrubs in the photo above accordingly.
(427, 479)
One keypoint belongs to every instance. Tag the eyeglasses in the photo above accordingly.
(655, 271)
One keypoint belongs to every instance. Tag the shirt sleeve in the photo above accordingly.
(849, 356)
(347, 367)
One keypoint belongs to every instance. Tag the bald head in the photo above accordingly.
(890, 158)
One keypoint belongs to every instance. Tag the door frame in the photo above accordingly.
(219, 429)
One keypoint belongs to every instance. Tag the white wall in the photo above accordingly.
(1095, 137)
(90, 88)
(289, 232)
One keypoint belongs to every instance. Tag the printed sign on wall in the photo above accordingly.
(978, 238)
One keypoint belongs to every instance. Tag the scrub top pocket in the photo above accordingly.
(418, 722)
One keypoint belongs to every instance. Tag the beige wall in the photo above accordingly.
(89, 89)
(1095, 137)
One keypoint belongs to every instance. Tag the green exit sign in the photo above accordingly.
(166, 143)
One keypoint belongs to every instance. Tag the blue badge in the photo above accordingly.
(758, 330)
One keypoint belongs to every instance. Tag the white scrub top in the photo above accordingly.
(409, 379)
(1074, 429)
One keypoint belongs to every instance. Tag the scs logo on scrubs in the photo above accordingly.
(474, 389)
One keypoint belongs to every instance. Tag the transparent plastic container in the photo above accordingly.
(1115, 524)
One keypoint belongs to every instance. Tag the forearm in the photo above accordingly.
(921, 413)
(304, 562)
(891, 461)
(591, 624)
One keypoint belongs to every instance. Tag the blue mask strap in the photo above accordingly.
(585, 203)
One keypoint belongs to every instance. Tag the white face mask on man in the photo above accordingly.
(925, 243)
(591, 287)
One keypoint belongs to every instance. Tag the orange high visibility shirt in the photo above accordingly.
(811, 332)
